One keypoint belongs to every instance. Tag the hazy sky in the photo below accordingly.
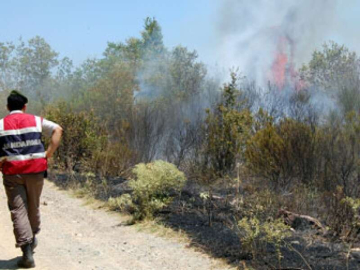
(81, 29)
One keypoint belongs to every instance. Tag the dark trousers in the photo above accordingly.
(23, 192)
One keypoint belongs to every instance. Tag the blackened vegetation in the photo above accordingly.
(221, 240)
(247, 151)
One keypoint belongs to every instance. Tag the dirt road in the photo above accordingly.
(75, 236)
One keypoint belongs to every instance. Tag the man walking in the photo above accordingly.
(24, 163)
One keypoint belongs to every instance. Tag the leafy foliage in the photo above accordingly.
(81, 136)
(255, 235)
(336, 69)
(284, 152)
(333, 66)
(153, 186)
(252, 150)
(227, 129)
(264, 153)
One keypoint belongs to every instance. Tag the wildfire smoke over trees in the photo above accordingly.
(142, 102)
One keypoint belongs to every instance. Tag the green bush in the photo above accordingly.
(153, 186)
(81, 137)
(255, 235)
(227, 128)
(112, 159)
(123, 203)
(264, 154)
(343, 215)
(284, 152)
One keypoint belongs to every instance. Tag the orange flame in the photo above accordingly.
(281, 63)
(283, 72)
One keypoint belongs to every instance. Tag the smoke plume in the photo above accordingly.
(268, 40)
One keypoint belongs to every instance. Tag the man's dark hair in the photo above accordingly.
(16, 101)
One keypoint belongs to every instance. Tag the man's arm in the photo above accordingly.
(54, 141)
(2, 160)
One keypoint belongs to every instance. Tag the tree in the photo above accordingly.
(137, 50)
(187, 75)
(35, 62)
(64, 71)
(112, 97)
(227, 129)
(264, 153)
(83, 79)
(152, 38)
(334, 66)
(7, 65)
(341, 153)
(130, 51)
(336, 70)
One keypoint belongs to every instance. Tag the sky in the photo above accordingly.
(80, 29)
(348, 32)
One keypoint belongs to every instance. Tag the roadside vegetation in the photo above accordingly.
(261, 177)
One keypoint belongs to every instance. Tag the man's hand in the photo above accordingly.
(47, 155)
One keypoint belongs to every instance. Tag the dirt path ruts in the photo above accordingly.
(75, 236)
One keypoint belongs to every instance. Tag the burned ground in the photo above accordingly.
(188, 215)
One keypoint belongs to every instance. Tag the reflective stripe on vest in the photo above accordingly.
(21, 145)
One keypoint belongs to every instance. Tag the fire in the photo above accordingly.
(279, 65)
(283, 72)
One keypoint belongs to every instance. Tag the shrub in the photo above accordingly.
(299, 153)
(343, 215)
(122, 203)
(284, 153)
(262, 203)
(249, 231)
(81, 136)
(255, 235)
(227, 129)
(341, 151)
(153, 186)
(264, 154)
(112, 159)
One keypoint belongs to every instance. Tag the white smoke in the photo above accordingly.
(249, 32)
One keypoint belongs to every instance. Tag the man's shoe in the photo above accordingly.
(27, 260)
(34, 244)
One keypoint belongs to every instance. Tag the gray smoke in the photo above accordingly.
(249, 32)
